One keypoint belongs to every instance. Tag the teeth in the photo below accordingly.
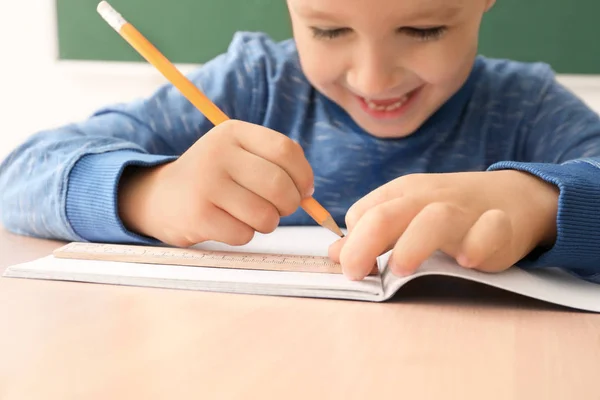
(390, 107)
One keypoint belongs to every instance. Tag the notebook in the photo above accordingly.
(551, 285)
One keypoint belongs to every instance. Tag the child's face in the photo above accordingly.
(389, 63)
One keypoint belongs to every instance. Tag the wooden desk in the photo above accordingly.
(439, 339)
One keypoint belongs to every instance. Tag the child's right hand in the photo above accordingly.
(237, 179)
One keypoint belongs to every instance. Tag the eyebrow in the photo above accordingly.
(317, 14)
(445, 12)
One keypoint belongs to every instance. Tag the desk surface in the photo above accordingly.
(438, 338)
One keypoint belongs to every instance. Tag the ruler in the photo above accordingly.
(198, 258)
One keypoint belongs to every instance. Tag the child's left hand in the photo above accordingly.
(485, 220)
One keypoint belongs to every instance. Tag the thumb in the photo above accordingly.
(335, 249)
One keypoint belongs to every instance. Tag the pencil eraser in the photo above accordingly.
(111, 16)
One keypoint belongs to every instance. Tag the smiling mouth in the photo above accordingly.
(388, 108)
(386, 105)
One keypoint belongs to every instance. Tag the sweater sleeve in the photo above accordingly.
(562, 147)
(62, 183)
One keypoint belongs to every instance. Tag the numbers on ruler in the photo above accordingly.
(200, 255)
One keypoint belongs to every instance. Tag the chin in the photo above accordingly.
(388, 134)
(390, 130)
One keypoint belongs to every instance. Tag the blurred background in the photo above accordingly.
(60, 61)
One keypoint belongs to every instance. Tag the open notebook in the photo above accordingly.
(551, 285)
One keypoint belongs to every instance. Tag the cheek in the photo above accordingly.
(319, 66)
(447, 62)
(446, 69)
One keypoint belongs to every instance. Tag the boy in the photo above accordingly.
(416, 142)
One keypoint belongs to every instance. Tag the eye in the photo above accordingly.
(425, 34)
(329, 33)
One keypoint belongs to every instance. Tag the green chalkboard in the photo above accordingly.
(560, 32)
(563, 33)
(186, 31)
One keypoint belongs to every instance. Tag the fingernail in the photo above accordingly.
(463, 261)
(310, 192)
(350, 276)
(398, 270)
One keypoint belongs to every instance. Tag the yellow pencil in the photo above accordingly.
(193, 94)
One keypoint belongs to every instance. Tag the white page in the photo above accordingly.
(550, 285)
(291, 240)
(312, 241)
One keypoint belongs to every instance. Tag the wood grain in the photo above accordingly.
(438, 339)
(197, 258)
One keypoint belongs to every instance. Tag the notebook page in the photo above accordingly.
(288, 240)
(551, 285)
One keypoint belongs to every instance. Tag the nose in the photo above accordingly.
(374, 73)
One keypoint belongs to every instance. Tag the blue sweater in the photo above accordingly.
(62, 183)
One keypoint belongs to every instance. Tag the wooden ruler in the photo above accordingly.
(198, 258)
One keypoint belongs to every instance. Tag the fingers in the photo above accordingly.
(246, 206)
(237, 179)
(378, 196)
(222, 227)
(474, 241)
(427, 185)
(279, 150)
(482, 244)
(375, 233)
(216, 225)
(416, 229)
(336, 248)
(439, 226)
(265, 179)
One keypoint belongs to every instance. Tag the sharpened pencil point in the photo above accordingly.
(330, 224)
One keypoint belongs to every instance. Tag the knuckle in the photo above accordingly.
(379, 217)
(288, 208)
(278, 179)
(276, 184)
(230, 127)
(380, 195)
(281, 192)
(267, 219)
(242, 236)
(439, 211)
(285, 149)
(499, 220)
(226, 129)
(407, 180)
(208, 148)
(296, 147)
(211, 149)
(352, 216)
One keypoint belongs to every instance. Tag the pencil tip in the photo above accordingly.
(330, 224)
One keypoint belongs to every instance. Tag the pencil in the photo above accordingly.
(194, 95)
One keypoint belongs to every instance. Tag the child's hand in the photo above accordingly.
(485, 220)
(237, 179)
